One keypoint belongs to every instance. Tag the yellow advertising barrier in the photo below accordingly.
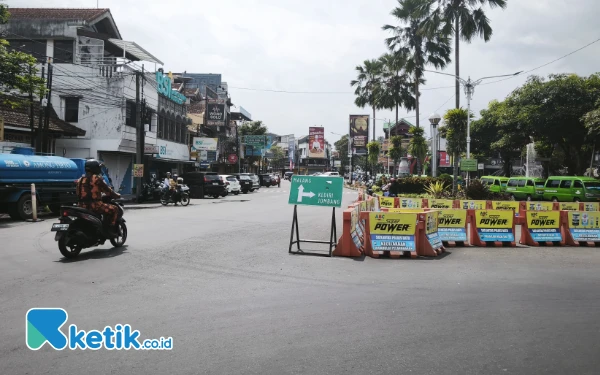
(568, 206)
(386, 202)
(493, 226)
(393, 231)
(410, 202)
(539, 206)
(441, 203)
(431, 230)
(407, 210)
(473, 205)
(542, 228)
(583, 228)
(591, 206)
(452, 227)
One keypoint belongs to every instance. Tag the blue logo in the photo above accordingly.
(43, 325)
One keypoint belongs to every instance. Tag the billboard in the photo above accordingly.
(291, 149)
(204, 144)
(359, 133)
(316, 142)
(216, 114)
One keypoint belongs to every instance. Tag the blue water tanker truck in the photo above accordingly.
(54, 178)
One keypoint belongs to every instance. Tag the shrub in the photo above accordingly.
(436, 189)
(446, 178)
(477, 190)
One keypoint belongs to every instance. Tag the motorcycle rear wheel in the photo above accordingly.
(71, 251)
(120, 241)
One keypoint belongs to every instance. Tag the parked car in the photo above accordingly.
(336, 174)
(288, 175)
(231, 184)
(495, 183)
(245, 182)
(255, 182)
(525, 188)
(572, 189)
(265, 180)
(204, 184)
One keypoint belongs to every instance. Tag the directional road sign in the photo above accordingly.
(323, 191)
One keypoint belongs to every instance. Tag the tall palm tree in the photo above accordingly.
(396, 83)
(423, 46)
(417, 146)
(462, 19)
(367, 85)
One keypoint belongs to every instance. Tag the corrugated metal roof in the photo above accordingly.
(87, 14)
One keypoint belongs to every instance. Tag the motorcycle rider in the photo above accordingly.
(90, 188)
(167, 186)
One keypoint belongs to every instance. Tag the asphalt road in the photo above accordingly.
(216, 276)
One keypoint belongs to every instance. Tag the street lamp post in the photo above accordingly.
(469, 86)
(434, 119)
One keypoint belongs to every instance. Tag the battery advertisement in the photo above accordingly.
(495, 225)
(393, 231)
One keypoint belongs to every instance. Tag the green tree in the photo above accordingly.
(455, 132)
(423, 47)
(396, 151)
(417, 146)
(591, 121)
(342, 148)
(18, 73)
(553, 112)
(462, 19)
(373, 148)
(278, 159)
(396, 85)
(367, 86)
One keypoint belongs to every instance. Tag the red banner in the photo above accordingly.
(444, 159)
(316, 143)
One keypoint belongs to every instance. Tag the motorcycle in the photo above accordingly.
(151, 191)
(79, 229)
(180, 195)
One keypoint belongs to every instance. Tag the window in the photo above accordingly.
(71, 109)
(530, 183)
(161, 125)
(512, 183)
(578, 184)
(521, 183)
(565, 184)
(553, 184)
(37, 48)
(63, 51)
(497, 182)
(130, 113)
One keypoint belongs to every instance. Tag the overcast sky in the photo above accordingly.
(314, 45)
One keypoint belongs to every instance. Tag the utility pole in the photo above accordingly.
(44, 145)
(31, 108)
(239, 150)
(140, 131)
(38, 133)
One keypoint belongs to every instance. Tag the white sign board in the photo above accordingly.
(480, 166)
(204, 144)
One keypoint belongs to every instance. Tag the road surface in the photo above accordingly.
(216, 276)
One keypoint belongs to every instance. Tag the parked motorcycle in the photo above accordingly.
(180, 195)
(79, 229)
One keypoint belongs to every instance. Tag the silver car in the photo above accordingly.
(255, 182)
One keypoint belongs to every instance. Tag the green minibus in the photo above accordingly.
(525, 188)
(572, 189)
(496, 184)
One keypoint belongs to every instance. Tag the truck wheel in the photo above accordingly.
(24, 207)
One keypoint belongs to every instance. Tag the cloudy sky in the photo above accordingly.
(314, 46)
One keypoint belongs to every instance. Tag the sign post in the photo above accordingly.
(315, 191)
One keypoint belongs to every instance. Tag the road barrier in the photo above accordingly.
(452, 227)
(589, 206)
(492, 228)
(442, 203)
(581, 228)
(430, 241)
(542, 228)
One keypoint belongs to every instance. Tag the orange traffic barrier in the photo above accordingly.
(524, 207)
(542, 228)
(351, 241)
(581, 228)
(492, 228)
(452, 227)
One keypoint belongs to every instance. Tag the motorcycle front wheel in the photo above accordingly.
(120, 241)
(163, 201)
(71, 251)
(185, 199)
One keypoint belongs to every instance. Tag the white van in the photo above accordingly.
(334, 174)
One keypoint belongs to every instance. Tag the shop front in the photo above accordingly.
(171, 157)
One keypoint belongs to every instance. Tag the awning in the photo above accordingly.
(134, 49)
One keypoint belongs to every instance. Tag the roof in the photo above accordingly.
(135, 50)
(85, 14)
(191, 92)
(176, 86)
(19, 117)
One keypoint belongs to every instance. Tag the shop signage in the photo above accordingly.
(291, 149)
(544, 226)
(232, 158)
(215, 114)
(164, 88)
(138, 170)
(204, 144)
(151, 149)
(393, 231)
(495, 225)
(172, 150)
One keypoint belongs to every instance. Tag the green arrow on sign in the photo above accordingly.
(325, 191)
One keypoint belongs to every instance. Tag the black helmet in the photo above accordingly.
(92, 166)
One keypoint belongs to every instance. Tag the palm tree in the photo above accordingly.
(417, 146)
(396, 83)
(462, 19)
(396, 151)
(367, 85)
(423, 46)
